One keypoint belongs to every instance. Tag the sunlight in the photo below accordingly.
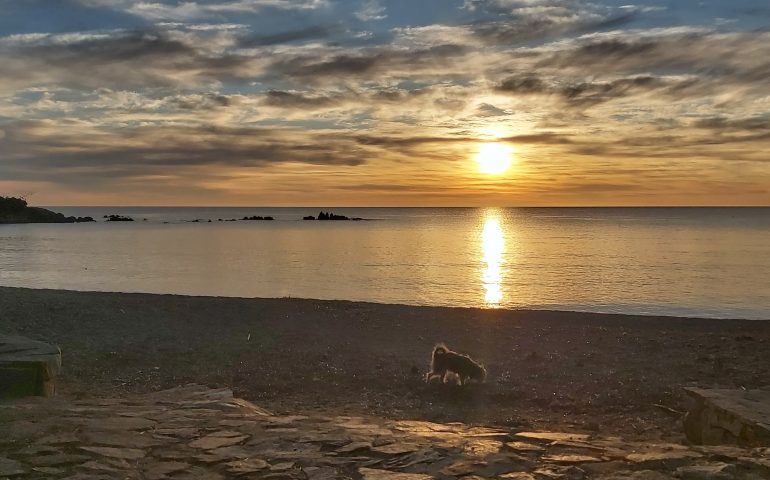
(493, 247)
(494, 158)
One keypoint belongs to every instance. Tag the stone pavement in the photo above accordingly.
(193, 432)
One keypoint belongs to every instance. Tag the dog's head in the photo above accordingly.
(440, 349)
(479, 373)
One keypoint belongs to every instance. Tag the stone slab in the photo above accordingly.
(27, 367)
(720, 416)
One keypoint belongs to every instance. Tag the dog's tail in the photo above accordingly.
(439, 349)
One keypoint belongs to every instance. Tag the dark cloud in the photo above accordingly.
(581, 94)
(527, 27)
(277, 98)
(308, 33)
(137, 59)
(487, 110)
(759, 122)
(547, 138)
(391, 141)
(523, 84)
(45, 149)
(368, 63)
(201, 102)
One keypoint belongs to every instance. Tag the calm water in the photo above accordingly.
(677, 261)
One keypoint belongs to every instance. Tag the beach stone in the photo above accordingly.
(663, 459)
(222, 454)
(118, 423)
(57, 460)
(160, 470)
(508, 461)
(524, 447)
(376, 474)
(181, 432)
(225, 434)
(95, 476)
(353, 446)
(58, 438)
(49, 470)
(559, 473)
(121, 439)
(251, 465)
(552, 436)
(106, 465)
(197, 473)
(714, 471)
(638, 475)
(569, 458)
(320, 473)
(116, 452)
(605, 467)
(482, 447)
(414, 459)
(517, 476)
(10, 468)
(237, 423)
(27, 367)
(38, 450)
(728, 416)
(397, 448)
(460, 468)
(211, 442)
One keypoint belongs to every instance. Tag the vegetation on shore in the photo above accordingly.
(16, 210)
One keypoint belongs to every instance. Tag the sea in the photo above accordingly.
(694, 262)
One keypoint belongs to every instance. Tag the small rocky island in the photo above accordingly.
(117, 218)
(16, 210)
(329, 216)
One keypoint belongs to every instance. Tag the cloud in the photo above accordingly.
(308, 33)
(187, 10)
(758, 122)
(80, 153)
(370, 63)
(487, 110)
(584, 94)
(295, 100)
(127, 59)
(371, 10)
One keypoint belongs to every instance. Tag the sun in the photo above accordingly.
(494, 158)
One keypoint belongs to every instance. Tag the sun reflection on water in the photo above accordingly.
(493, 247)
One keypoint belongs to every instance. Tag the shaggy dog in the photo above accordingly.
(444, 362)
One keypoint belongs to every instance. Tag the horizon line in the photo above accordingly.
(407, 206)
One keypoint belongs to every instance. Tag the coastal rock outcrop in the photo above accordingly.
(16, 210)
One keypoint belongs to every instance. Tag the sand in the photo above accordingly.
(548, 370)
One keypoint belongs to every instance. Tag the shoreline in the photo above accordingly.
(521, 310)
(547, 369)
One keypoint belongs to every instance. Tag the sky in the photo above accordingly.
(385, 102)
